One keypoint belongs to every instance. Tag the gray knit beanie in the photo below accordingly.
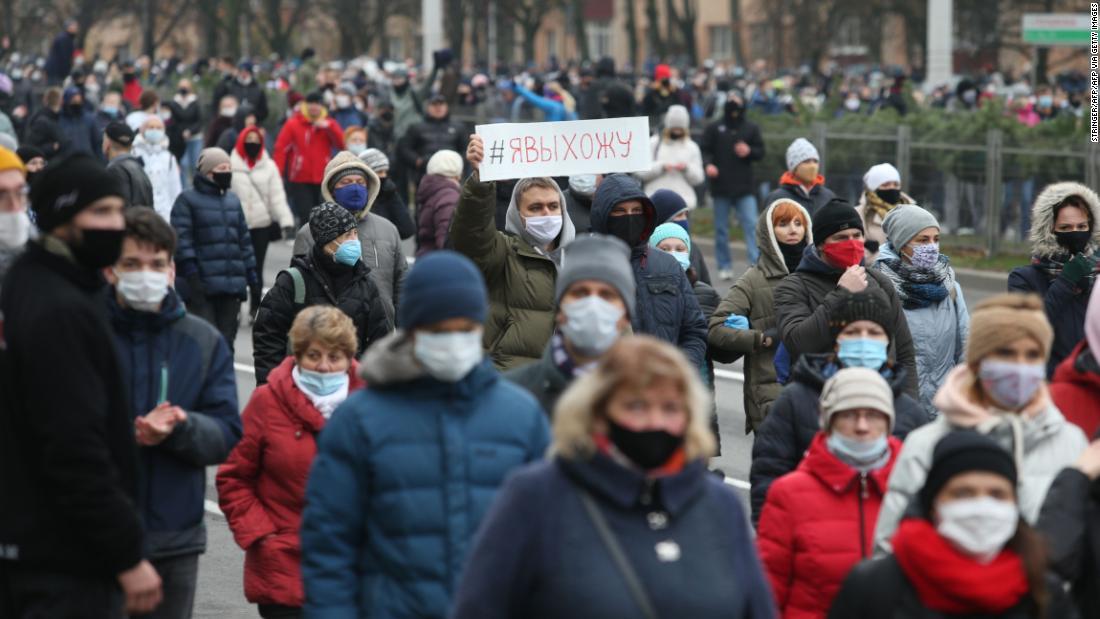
(375, 160)
(602, 258)
(904, 221)
(211, 158)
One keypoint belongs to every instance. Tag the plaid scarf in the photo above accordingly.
(919, 288)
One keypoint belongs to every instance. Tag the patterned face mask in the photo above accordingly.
(925, 256)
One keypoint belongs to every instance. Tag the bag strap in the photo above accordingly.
(617, 555)
(299, 285)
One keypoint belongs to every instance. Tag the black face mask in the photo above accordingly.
(98, 248)
(184, 92)
(76, 107)
(223, 180)
(387, 116)
(1075, 242)
(676, 134)
(889, 196)
(252, 149)
(649, 449)
(401, 88)
(792, 254)
(128, 77)
(628, 228)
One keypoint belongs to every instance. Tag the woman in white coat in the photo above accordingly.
(160, 165)
(677, 162)
(257, 183)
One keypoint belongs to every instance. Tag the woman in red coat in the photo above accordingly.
(1075, 387)
(262, 486)
(819, 520)
(304, 147)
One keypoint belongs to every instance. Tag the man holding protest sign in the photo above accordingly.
(520, 265)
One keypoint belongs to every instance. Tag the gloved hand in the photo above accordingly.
(1078, 267)
(737, 322)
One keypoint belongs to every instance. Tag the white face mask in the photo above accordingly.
(15, 229)
(980, 527)
(142, 290)
(343, 101)
(448, 357)
(591, 325)
(543, 230)
(229, 112)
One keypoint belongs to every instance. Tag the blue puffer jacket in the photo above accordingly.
(213, 240)
(171, 356)
(404, 474)
(667, 307)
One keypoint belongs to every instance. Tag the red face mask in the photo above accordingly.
(844, 254)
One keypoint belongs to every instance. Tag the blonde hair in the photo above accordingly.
(634, 362)
(326, 325)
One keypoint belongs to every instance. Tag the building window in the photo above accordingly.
(721, 42)
(848, 40)
(395, 48)
(599, 38)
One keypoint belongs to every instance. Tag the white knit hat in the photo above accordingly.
(800, 150)
(879, 175)
(446, 163)
(677, 117)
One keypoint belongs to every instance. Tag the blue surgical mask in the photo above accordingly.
(349, 252)
(864, 456)
(109, 110)
(154, 136)
(862, 353)
(357, 148)
(1046, 101)
(352, 197)
(683, 257)
(322, 383)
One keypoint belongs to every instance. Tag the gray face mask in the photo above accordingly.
(583, 184)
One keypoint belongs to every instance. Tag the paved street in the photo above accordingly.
(221, 593)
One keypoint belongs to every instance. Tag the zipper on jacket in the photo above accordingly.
(862, 525)
(647, 493)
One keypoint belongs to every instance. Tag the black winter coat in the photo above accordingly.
(807, 300)
(214, 240)
(878, 589)
(794, 419)
(68, 462)
(542, 379)
(251, 94)
(735, 178)
(1065, 305)
(819, 196)
(137, 189)
(389, 204)
(350, 289)
(579, 208)
(428, 137)
(44, 133)
(183, 119)
(1070, 520)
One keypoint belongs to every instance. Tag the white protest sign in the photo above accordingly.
(521, 150)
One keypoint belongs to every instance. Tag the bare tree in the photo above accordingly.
(683, 24)
(577, 7)
(278, 19)
(632, 31)
(527, 14)
(656, 43)
(735, 22)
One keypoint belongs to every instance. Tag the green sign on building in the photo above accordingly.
(1057, 29)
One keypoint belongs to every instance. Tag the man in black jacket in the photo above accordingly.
(729, 147)
(70, 535)
(128, 170)
(44, 126)
(245, 88)
(437, 132)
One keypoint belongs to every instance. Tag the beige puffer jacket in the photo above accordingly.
(260, 189)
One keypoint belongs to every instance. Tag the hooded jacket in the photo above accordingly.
(213, 240)
(790, 188)
(172, 356)
(436, 199)
(79, 127)
(163, 172)
(404, 475)
(1075, 388)
(259, 187)
(262, 486)
(1065, 303)
(666, 303)
(752, 296)
(137, 189)
(520, 276)
(786, 434)
(809, 298)
(302, 150)
(816, 526)
(735, 178)
(939, 334)
(350, 289)
(1040, 438)
(381, 243)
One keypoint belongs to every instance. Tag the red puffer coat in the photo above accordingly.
(262, 486)
(817, 523)
(302, 149)
(1075, 389)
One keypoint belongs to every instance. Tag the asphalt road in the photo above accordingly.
(220, 588)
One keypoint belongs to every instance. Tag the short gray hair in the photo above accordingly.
(526, 184)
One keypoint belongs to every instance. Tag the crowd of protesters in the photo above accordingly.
(520, 423)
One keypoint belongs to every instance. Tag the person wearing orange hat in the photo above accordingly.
(15, 224)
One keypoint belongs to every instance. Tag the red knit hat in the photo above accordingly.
(662, 72)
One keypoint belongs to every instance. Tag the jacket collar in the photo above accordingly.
(127, 319)
(813, 369)
(838, 476)
(624, 487)
(296, 404)
(56, 255)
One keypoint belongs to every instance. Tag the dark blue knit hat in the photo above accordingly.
(668, 203)
(440, 286)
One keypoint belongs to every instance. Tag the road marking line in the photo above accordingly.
(213, 508)
(242, 367)
(730, 375)
(736, 483)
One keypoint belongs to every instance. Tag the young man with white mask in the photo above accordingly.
(179, 375)
(407, 467)
(521, 318)
(15, 223)
(596, 296)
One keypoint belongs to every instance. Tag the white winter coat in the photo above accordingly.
(163, 171)
(682, 182)
(260, 189)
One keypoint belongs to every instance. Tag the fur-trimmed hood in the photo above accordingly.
(1043, 242)
(342, 161)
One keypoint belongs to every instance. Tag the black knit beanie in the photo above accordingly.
(871, 304)
(836, 216)
(67, 186)
(328, 221)
(963, 451)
